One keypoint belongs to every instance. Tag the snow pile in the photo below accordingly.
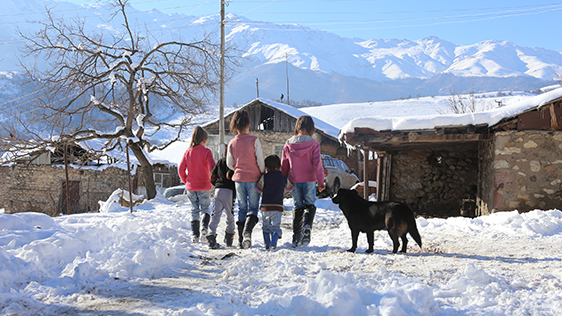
(116, 262)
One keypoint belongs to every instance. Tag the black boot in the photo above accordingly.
(240, 226)
(205, 226)
(212, 240)
(251, 221)
(195, 231)
(228, 239)
(297, 226)
(310, 212)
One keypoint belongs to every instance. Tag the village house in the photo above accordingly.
(37, 182)
(503, 159)
(273, 123)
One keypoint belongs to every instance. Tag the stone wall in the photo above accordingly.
(39, 188)
(433, 182)
(528, 170)
(485, 196)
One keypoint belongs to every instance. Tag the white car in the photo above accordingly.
(337, 175)
(176, 193)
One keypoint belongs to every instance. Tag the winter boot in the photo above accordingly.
(240, 226)
(212, 240)
(205, 226)
(228, 239)
(297, 226)
(251, 221)
(267, 240)
(195, 231)
(307, 223)
(274, 238)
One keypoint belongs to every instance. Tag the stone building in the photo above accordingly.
(38, 182)
(273, 123)
(504, 159)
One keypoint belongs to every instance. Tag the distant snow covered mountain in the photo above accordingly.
(322, 66)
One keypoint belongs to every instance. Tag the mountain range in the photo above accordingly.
(314, 66)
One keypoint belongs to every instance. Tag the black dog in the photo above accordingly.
(366, 216)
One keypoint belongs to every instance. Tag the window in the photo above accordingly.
(278, 150)
(266, 119)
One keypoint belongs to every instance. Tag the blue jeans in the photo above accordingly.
(304, 193)
(200, 203)
(272, 222)
(248, 199)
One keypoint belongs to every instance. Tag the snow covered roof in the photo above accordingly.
(320, 125)
(424, 122)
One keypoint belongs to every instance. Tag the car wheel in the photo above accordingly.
(336, 187)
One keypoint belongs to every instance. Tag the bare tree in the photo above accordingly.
(116, 85)
(459, 104)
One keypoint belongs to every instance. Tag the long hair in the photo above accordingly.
(199, 135)
(304, 125)
(240, 120)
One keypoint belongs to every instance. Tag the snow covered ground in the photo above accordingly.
(118, 263)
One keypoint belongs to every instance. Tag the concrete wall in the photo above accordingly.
(527, 170)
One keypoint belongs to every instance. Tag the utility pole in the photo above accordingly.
(221, 78)
(257, 89)
(287, 73)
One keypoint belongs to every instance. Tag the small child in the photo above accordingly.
(224, 200)
(194, 170)
(273, 185)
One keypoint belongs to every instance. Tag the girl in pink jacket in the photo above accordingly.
(194, 170)
(302, 164)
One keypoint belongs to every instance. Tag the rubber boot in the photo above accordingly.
(240, 226)
(251, 221)
(267, 240)
(228, 239)
(205, 226)
(212, 240)
(297, 226)
(310, 212)
(274, 238)
(195, 231)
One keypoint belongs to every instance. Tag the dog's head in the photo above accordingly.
(342, 195)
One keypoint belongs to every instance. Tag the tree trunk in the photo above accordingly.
(146, 171)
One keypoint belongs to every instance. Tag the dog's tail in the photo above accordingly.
(413, 230)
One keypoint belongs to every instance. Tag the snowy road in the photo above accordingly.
(504, 264)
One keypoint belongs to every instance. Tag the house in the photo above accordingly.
(273, 123)
(37, 181)
(504, 159)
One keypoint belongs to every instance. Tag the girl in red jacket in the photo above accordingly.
(194, 170)
(245, 158)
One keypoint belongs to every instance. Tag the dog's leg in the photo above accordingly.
(395, 242)
(354, 236)
(371, 241)
(404, 243)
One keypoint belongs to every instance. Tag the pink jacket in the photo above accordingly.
(195, 168)
(301, 160)
(245, 158)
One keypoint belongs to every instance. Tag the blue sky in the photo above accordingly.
(525, 23)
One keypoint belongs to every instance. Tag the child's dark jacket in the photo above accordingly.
(273, 186)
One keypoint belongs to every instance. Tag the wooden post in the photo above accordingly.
(129, 175)
(379, 162)
(67, 178)
(366, 173)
